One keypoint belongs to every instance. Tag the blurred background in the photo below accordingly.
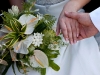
(4, 5)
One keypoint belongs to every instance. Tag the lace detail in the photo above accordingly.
(48, 2)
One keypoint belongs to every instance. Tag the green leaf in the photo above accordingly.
(13, 41)
(18, 24)
(31, 49)
(43, 71)
(49, 20)
(52, 53)
(6, 18)
(53, 56)
(54, 65)
(13, 68)
(23, 29)
(14, 26)
(10, 35)
(18, 65)
(40, 27)
(26, 7)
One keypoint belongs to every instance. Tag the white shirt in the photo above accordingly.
(95, 17)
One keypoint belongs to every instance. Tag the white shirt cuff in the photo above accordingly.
(95, 17)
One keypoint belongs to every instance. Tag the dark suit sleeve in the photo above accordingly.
(92, 5)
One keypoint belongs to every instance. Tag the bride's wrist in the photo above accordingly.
(72, 6)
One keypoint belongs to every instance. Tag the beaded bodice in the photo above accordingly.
(48, 2)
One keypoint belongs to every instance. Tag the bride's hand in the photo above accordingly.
(68, 27)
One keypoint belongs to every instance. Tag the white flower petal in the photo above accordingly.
(29, 29)
(3, 29)
(20, 47)
(15, 10)
(39, 59)
(37, 39)
(13, 55)
(10, 11)
(3, 62)
(53, 46)
(26, 18)
(1, 36)
(28, 41)
(30, 21)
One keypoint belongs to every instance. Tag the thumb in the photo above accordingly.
(73, 15)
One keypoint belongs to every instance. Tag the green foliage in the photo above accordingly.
(54, 66)
(49, 20)
(43, 71)
(16, 33)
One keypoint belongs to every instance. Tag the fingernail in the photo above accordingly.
(56, 34)
(75, 41)
(77, 35)
(72, 42)
(66, 39)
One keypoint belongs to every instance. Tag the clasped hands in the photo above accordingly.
(75, 26)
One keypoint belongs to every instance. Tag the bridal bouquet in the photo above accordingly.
(28, 39)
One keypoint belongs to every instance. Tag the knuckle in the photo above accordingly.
(63, 29)
(69, 30)
(61, 20)
(74, 30)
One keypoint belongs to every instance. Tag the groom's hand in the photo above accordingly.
(65, 26)
(86, 27)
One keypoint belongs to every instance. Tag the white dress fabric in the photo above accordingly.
(82, 58)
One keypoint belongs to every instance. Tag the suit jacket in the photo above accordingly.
(92, 5)
(95, 17)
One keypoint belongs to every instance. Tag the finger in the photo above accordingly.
(82, 31)
(79, 38)
(64, 30)
(82, 34)
(73, 15)
(77, 28)
(69, 30)
(74, 31)
(58, 29)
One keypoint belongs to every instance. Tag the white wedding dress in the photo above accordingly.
(82, 58)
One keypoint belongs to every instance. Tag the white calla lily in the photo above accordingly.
(22, 46)
(3, 62)
(13, 55)
(39, 59)
(30, 21)
(2, 34)
(5, 30)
